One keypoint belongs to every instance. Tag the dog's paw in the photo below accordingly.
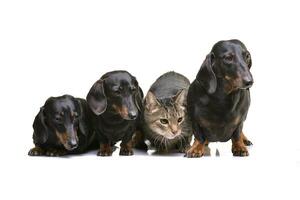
(36, 151)
(55, 152)
(247, 142)
(194, 153)
(240, 151)
(104, 153)
(126, 152)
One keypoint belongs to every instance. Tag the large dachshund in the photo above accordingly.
(116, 101)
(219, 98)
(62, 126)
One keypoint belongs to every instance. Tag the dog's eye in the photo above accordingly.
(180, 119)
(229, 58)
(76, 115)
(133, 89)
(164, 121)
(247, 57)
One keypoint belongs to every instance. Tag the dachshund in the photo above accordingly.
(116, 102)
(219, 99)
(63, 126)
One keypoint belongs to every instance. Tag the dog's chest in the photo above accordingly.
(116, 132)
(219, 130)
(219, 121)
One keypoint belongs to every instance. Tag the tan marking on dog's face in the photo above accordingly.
(122, 111)
(232, 83)
(62, 137)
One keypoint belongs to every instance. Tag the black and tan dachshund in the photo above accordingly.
(116, 101)
(62, 126)
(219, 98)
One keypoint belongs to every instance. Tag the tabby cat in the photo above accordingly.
(165, 121)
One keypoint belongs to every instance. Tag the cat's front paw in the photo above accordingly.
(36, 151)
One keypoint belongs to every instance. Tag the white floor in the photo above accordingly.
(264, 174)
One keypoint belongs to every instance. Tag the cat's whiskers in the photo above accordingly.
(156, 140)
(166, 143)
(180, 138)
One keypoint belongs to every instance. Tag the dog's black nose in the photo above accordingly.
(73, 145)
(132, 115)
(249, 83)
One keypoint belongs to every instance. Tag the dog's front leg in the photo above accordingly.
(36, 151)
(105, 150)
(196, 150)
(126, 146)
(198, 147)
(105, 145)
(238, 146)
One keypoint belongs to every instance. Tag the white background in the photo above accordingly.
(49, 48)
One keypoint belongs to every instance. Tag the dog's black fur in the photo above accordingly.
(219, 98)
(116, 100)
(62, 126)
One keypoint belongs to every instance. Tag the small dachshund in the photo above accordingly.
(62, 126)
(219, 98)
(116, 101)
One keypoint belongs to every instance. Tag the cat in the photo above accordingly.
(165, 121)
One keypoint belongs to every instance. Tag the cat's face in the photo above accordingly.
(166, 117)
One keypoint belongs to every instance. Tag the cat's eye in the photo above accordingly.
(164, 121)
(180, 119)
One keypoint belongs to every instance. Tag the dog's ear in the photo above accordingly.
(249, 60)
(139, 99)
(81, 118)
(40, 134)
(206, 75)
(96, 98)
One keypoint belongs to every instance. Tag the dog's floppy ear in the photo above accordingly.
(40, 134)
(249, 60)
(206, 75)
(80, 103)
(96, 98)
(139, 99)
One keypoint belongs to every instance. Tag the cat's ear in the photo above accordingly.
(151, 102)
(180, 97)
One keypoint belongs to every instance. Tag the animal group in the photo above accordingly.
(212, 108)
